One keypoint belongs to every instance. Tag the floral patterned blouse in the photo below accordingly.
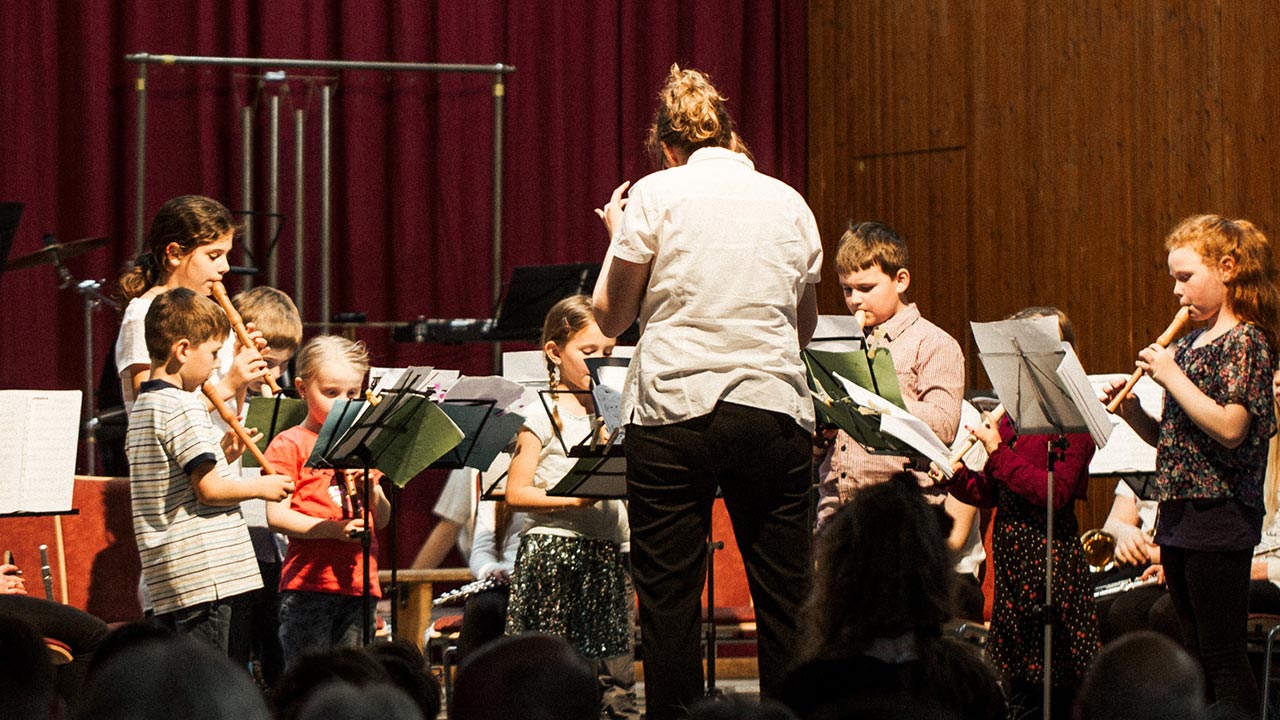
(1235, 368)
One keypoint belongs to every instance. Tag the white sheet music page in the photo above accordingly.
(608, 396)
(901, 424)
(976, 457)
(1081, 390)
(837, 333)
(502, 391)
(39, 431)
(1126, 453)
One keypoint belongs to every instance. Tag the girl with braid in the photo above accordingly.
(570, 578)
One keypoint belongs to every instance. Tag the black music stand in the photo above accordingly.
(486, 431)
(601, 470)
(401, 435)
(531, 292)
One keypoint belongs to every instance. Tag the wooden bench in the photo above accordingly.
(416, 592)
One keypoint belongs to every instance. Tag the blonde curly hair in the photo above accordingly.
(691, 115)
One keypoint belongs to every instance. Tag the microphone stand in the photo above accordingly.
(91, 297)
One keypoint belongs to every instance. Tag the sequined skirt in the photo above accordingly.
(573, 587)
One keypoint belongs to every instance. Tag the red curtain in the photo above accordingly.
(411, 152)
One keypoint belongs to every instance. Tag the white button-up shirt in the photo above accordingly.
(731, 252)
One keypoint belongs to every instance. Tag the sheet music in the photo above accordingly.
(527, 367)
(429, 379)
(503, 392)
(1022, 358)
(837, 333)
(1081, 390)
(610, 375)
(1126, 453)
(39, 431)
(901, 424)
(976, 457)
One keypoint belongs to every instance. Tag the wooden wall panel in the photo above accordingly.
(898, 74)
(1038, 153)
(921, 195)
(905, 76)
(1085, 130)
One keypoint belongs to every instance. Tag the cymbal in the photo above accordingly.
(58, 251)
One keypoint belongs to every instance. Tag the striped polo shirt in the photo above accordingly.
(191, 552)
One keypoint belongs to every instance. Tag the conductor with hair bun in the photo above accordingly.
(719, 263)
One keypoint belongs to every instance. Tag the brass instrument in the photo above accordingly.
(1099, 548)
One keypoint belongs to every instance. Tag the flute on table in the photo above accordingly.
(238, 326)
(1175, 327)
(229, 417)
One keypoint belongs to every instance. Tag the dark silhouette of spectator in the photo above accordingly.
(873, 623)
(26, 674)
(169, 678)
(729, 707)
(372, 702)
(1142, 676)
(125, 637)
(527, 677)
(313, 670)
(408, 670)
(81, 632)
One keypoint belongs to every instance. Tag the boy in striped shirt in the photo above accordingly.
(197, 559)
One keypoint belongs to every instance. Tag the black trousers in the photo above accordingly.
(484, 619)
(760, 460)
(1210, 591)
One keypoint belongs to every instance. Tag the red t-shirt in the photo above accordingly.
(318, 565)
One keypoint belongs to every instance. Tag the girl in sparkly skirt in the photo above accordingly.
(569, 577)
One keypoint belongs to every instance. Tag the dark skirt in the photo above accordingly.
(1016, 643)
(573, 587)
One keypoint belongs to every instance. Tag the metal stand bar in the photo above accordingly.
(499, 98)
(1057, 446)
(140, 164)
(498, 70)
(712, 547)
(299, 198)
(148, 58)
(90, 405)
(246, 191)
(366, 543)
(326, 205)
(273, 189)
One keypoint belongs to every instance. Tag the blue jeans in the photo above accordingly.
(208, 622)
(318, 621)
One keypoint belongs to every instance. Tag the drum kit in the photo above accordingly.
(55, 253)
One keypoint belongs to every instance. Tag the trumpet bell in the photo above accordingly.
(1099, 548)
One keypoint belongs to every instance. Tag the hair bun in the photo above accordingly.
(691, 112)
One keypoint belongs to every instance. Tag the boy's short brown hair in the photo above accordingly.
(182, 314)
(870, 243)
(273, 314)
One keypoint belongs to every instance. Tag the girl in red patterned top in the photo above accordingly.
(1015, 482)
(1211, 441)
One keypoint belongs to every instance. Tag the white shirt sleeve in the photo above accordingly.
(455, 500)
(809, 231)
(486, 556)
(484, 553)
(636, 239)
